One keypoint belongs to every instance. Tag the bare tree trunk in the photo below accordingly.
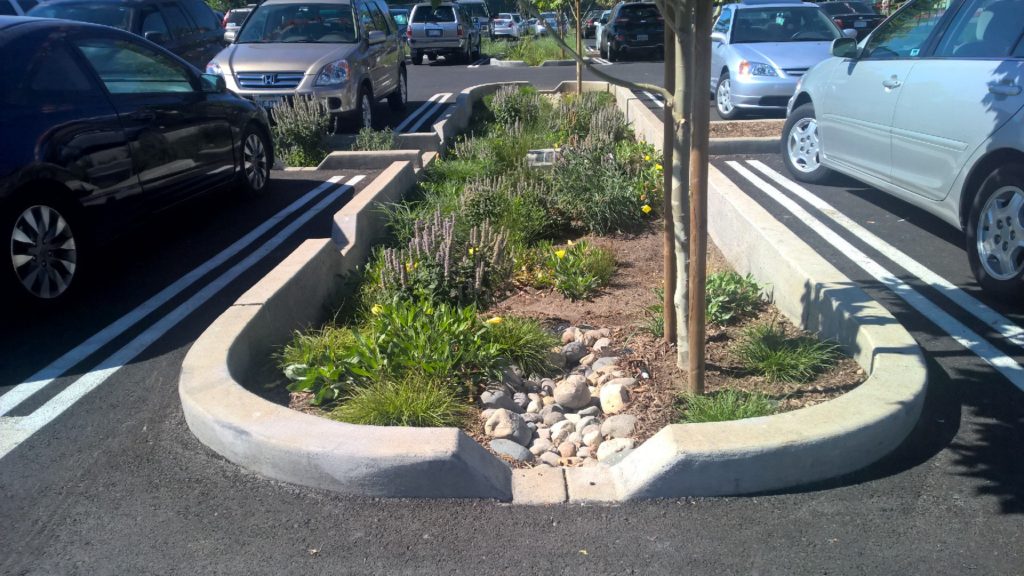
(579, 49)
(667, 147)
(682, 100)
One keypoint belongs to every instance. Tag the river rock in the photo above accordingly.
(626, 383)
(498, 399)
(509, 425)
(549, 458)
(553, 418)
(569, 334)
(572, 392)
(574, 351)
(590, 411)
(592, 437)
(512, 450)
(614, 398)
(567, 449)
(602, 344)
(560, 431)
(540, 446)
(587, 421)
(619, 426)
(606, 361)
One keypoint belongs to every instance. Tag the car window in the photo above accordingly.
(983, 29)
(236, 17)
(299, 23)
(905, 34)
(153, 21)
(201, 14)
(798, 24)
(640, 11)
(836, 8)
(724, 20)
(433, 15)
(177, 21)
(475, 10)
(54, 77)
(379, 21)
(401, 18)
(106, 14)
(6, 9)
(125, 67)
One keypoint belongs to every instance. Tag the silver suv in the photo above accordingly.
(930, 109)
(446, 29)
(345, 53)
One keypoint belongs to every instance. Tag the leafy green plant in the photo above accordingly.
(580, 269)
(724, 405)
(516, 105)
(370, 140)
(411, 400)
(731, 297)
(524, 342)
(766, 350)
(654, 315)
(298, 130)
(534, 51)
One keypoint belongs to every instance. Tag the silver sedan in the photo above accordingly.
(928, 109)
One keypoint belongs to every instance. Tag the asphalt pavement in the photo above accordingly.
(114, 483)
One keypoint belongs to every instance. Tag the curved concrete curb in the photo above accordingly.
(744, 146)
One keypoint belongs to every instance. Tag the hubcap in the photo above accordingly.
(255, 156)
(803, 145)
(404, 89)
(1001, 234)
(43, 252)
(725, 96)
(367, 112)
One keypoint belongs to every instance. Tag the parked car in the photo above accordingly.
(16, 7)
(553, 21)
(928, 109)
(233, 21)
(186, 27)
(506, 25)
(860, 16)
(632, 27)
(590, 23)
(479, 15)
(401, 18)
(759, 50)
(446, 29)
(102, 129)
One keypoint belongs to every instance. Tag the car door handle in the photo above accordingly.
(892, 83)
(1001, 89)
(143, 115)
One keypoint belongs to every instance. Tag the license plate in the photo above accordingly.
(269, 102)
(641, 37)
(860, 24)
(433, 33)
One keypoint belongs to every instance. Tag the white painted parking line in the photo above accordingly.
(15, 430)
(601, 61)
(479, 62)
(60, 366)
(430, 113)
(653, 98)
(412, 117)
(959, 332)
(999, 323)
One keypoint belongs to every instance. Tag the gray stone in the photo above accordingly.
(602, 344)
(626, 383)
(614, 398)
(498, 399)
(574, 418)
(512, 376)
(567, 449)
(572, 392)
(553, 418)
(551, 408)
(592, 437)
(561, 430)
(544, 433)
(609, 447)
(507, 424)
(530, 417)
(574, 351)
(576, 438)
(569, 335)
(540, 446)
(549, 458)
(606, 361)
(586, 422)
(617, 457)
(583, 452)
(532, 426)
(588, 359)
(590, 411)
(557, 359)
(520, 399)
(485, 414)
(534, 407)
(619, 426)
(512, 450)
(590, 337)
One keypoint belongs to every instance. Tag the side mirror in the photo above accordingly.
(230, 35)
(845, 48)
(718, 37)
(850, 33)
(375, 37)
(213, 84)
(155, 37)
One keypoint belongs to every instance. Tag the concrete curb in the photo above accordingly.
(743, 146)
(508, 63)
(547, 63)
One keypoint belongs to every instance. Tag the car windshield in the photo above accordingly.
(106, 14)
(236, 17)
(426, 14)
(640, 11)
(299, 24)
(836, 8)
(796, 24)
(475, 9)
(401, 17)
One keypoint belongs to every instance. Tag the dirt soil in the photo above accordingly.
(747, 129)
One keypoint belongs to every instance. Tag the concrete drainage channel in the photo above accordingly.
(730, 458)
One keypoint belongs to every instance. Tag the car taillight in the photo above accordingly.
(839, 22)
(622, 20)
(459, 31)
(408, 31)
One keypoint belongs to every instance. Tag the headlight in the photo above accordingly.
(214, 68)
(333, 74)
(756, 69)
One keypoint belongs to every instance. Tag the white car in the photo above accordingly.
(928, 108)
(506, 25)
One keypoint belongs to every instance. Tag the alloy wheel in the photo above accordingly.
(802, 145)
(255, 158)
(724, 97)
(1000, 242)
(43, 252)
(367, 112)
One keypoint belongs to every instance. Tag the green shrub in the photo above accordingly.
(579, 270)
(767, 351)
(370, 140)
(523, 342)
(516, 105)
(534, 51)
(298, 129)
(731, 297)
(725, 405)
(516, 204)
(411, 400)
(591, 196)
(578, 116)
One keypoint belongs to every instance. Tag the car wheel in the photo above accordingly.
(44, 251)
(727, 110)
(995, 232)
(801, 150)
(364, 107)
(398, 98)
(417, 58)
(255, 161)
(432, 57)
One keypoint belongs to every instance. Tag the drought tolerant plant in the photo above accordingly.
(534, 51)
(654, 323)
(731, 297)
(578, 270)
(524, 342)
(516, 104)
(724, 405)
(410, 400)
(516, 204)
(370, 140)
(766, 350)
(298, 129)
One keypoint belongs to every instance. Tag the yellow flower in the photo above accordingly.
(471, 250)
(647, 157)
(658, 167)
(646, 209)
(493, 321)
(560, 254)
(377, 309)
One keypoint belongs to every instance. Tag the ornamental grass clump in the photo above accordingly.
(724, 406)
(412, 400)
(517, 205)
(579, 270)
(516, 105)
(370, 140)
(298, 129)
(767, 351)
